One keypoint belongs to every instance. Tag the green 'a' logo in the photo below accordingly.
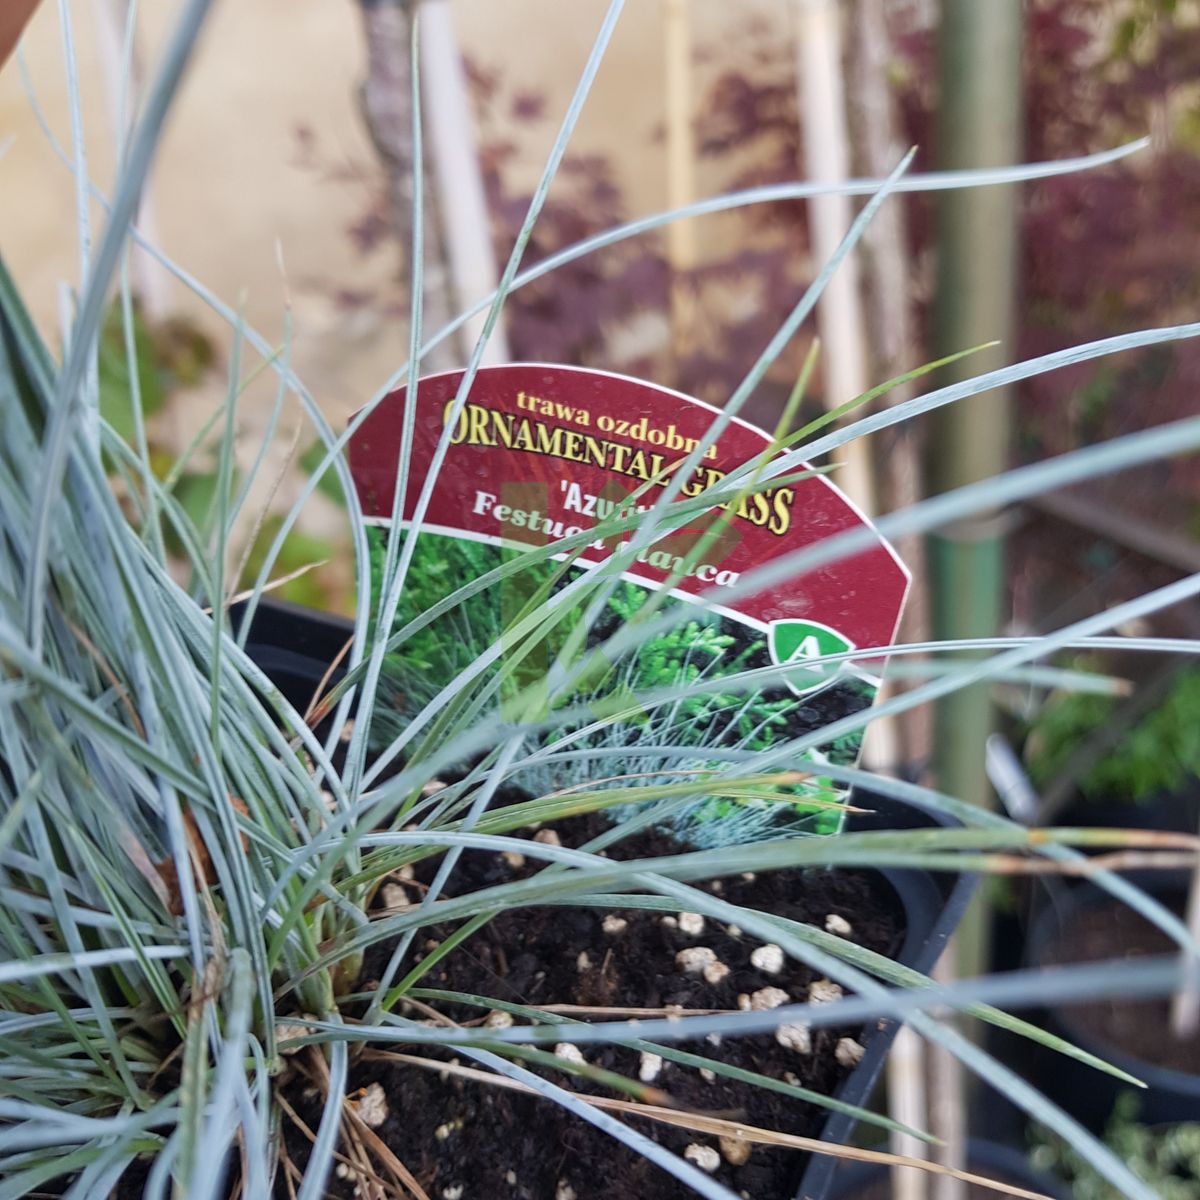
(798, 641)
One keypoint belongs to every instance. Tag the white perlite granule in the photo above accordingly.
(715, 972)
(498, 1019)
(823, 991)
(614, 925)
(547, 837)
(705, 1157)
(768, 958)
(849, 1052)
(794, 1037)
(734, 1151)
(838, 925)
(694, 959)
(564, 1191)
(691, 923)
(286, 1030)
(569, 1051)
(649, 1066)
(768, 998)
(394, 895)
(372, 1107)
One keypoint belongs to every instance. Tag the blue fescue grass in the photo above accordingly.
(173, 882)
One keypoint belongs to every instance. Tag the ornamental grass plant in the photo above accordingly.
(191, 868)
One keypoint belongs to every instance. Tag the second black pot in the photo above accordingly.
(1170, 1096)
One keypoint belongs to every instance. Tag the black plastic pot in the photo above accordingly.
(295, 646)
(990, 1159)
(933, 906)
(1089, 1095)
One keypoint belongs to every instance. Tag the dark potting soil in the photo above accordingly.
(1140, 1028)
(464, 1138)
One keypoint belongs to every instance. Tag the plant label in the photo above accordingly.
(536, 492)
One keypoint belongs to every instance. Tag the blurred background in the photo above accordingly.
(281, 186)
(273, 191)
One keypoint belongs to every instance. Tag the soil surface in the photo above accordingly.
(1141, 1028)
(462, 1138)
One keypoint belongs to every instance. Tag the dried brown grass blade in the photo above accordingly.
(273, 585)
(106, 670)
(261, 516)
(383, 1153)
(308, 1135)
(319, 705)
(1120, 860)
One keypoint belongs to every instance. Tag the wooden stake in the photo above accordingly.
(889, 309)
(681, 170)
(908, 1104)
(948, 1102)
(826, 158)
(455, 159)
(1185, 1004)
(387, 109)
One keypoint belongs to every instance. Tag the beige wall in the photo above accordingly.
(228, 189)
(230, 194)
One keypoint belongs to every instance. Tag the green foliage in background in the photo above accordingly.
(165, 359)
(299, 551)
(1167, 1157)
(1161, 753)
(116, 378)
(327, 484)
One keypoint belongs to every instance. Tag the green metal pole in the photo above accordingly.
(979, 124)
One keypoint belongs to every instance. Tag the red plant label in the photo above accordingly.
(544, 454)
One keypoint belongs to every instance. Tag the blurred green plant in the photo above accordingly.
(165, 359)
(1161, 753)
(116, 373)
(1166, 1157)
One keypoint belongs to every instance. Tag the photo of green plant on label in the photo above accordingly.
(573, 462)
